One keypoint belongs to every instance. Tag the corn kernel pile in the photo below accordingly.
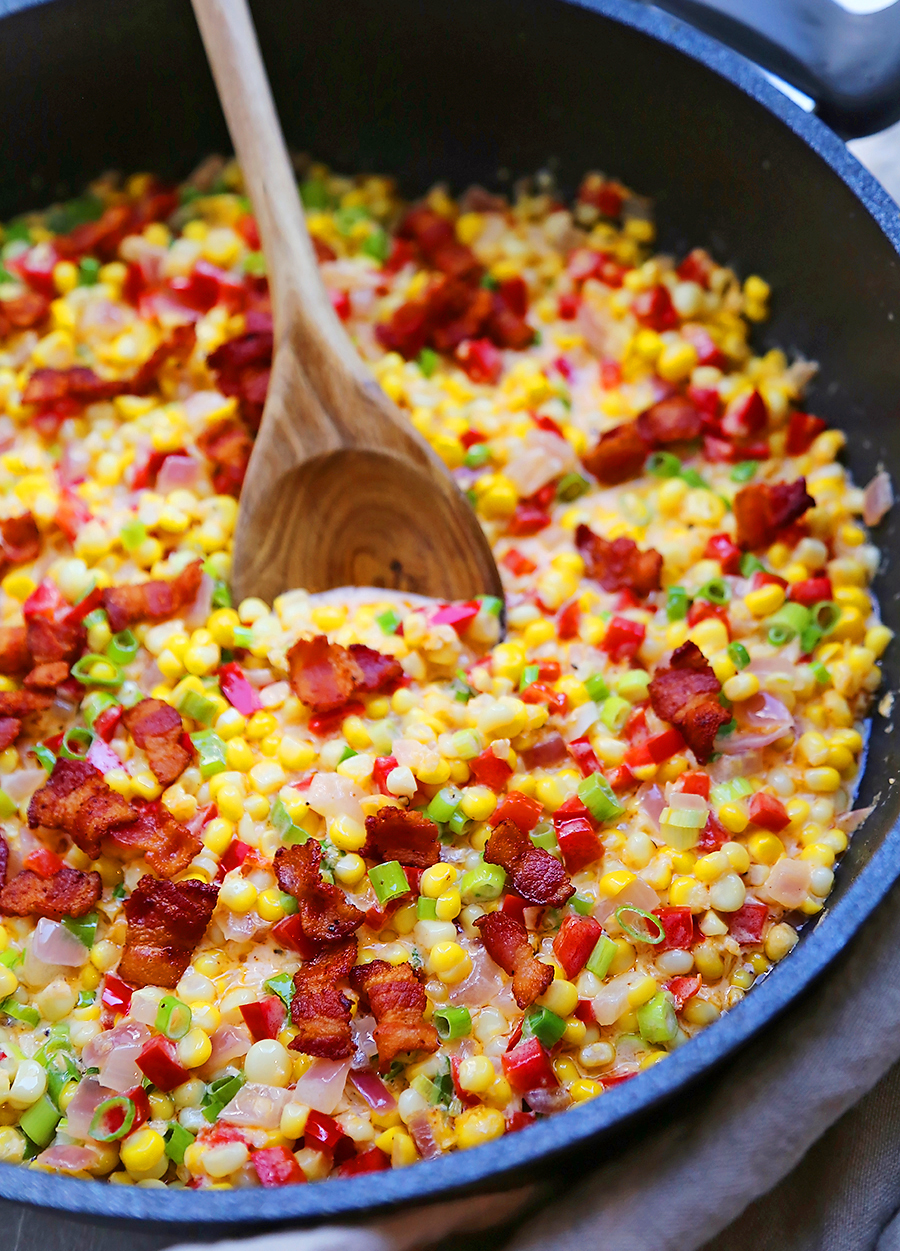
(542, 712)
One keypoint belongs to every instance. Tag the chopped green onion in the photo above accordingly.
(633, 685)
(596, 687)
(663, 465)
(94, 703)
(738, 655)
(288, 902)
(132, 535)
(684, 818)
(377, 245)
(426, 909)
(113, 1119)
(84, 928)
(614, 712)
(491, 603)
(76, 743)
(530, 674)
(545, 1026)
(427, 361)
(85, 998)
(88, 271)
(457, 822)
(122, 647)
(388, 881)
(677, 603)
(173, 1018)
(452, 1023)
(597, 796)
(744, 470)
(715, 591)
(7, 807)
(636, 934)
(211, 751)
(823, 677)
(221, 595)
(467, 744)
(825, 615)
(388, 621)
(656, 1019)
(730, 792)
(787, 623)
(219, 1093)
(571, 486)
(809, 638)
(119, 891)
(693, 478)
(243, 636)
(178, 1139)
(750, 565)
(44, 756)
(95, 618)
(601, 957)
(478, 455)
(545, 837)
(347, 754)
(484, 882)
(281, 819)
(582, 905)
(196, 706)
(96, 670)
(40, 1121)
(282, 985)
(462, 692)
(444, 804)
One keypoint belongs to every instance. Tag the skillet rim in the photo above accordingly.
(508, 1159)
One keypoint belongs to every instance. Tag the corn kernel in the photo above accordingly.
(436, 879)
(478, 802)
(450, 962)
(742, 686)
(765, 848)
(350, 870)
(734, 818)
(710, 636)
(877, 639)
(237, 894)
(477, 1126)
(476, 1074)
(448, 905)
(824, 780)
(268, 905)
(195, 1048)
(347, 834)
(143, 1150)
(611, 884)
(561, 997)
(766, 600)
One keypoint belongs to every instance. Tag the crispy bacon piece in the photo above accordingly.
(166, 921)
(326, 915)
(763, 508)
(4, 858)
(49, 387)
(67, 893)
(21, 703)
(506, 941)
(686, 693)
(397, 1000)
(47, 677)
(9, 731)
(24, 311)
(619, 565)
(14, 654)
(228, 445)
(19, 540)
(670, 421)
(404, 835)
(242, 367)
(167, 845)
(51, 641)
(319, 1009)
(325, 675)
(157, 727)
(76, 799)
(617, 456)
(151, 601)
(537, 877)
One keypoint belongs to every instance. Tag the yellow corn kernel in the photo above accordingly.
(239, 755)
(398, 1145)
(266, 777)
(346, 833)
(683, 861)
(477, 1126)
(710, 868)
(723, 666)
(268, 905)
(537, 633)
(587, 1088)
(436, 879)
(710, 636)
(708, 962)
(476, 1074)
(260, 725)
(450, 962)
(195, 1048)
(822, 781)
(765, 848)
(221, 625)
(671, 496)
(798, 810)
(295, 755)
(350, 870)
(237, 894)
(18, 585)
(500, 498)
(850, 626)
(217, 835)
(642, 992)
(611, 884)
(742, 686)
(766, 600)
(143, 1150)
(680, 891)
(575, 1032)
(818, 853)
(448, 905)
(780, 939)
(812, 747)
(561, 997)
(877, 639)
(65, 276)
(840, 757)
(230, 801)
(734, 818)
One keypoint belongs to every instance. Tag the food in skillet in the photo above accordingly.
(328, 886)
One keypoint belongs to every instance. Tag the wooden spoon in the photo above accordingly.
(340, 490)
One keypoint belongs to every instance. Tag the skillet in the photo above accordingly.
(476, 92)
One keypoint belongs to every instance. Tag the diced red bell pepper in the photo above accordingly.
(656, 749)
(289, 933)
(138, 1096)
(708, 353)
(322, 1132)
(527, 1067)
(762, 577)
(36, 267)
(71, 514)
(382, 767)
(623, 638)
(327, 722)
(803, 429)
(116, 994)
(578, 841)
(572, 808)
(709, 402)
(610, 375)
(654, 308)
(470, 437)
(480, 360)
(747, 924)
(467, 1099)
(372, 1160)
(635, 727)
(460, 616)
(678, 926)
(548, 670)
(719, 451)
(519, 1120)
(768, 812)
(723, 549)
(109, 718)
(697, 267)
(43, 862)
(237, 689)
(702, 610)
(340, 302)
(682, 989)
(574, 943)
(568, 622)
(541, 693)
(159, 1062)
(264, 1017)
(515, 906)
(514, 294)
(620, 778)
(695, 783)
(55, 741)
(713, 835)
(527, 519)
(584, 755)
(567, 306)
(584, 1010)
(810, 591)
(517, 564)
(44, 601)
(745, 416)
(522, 810)
(276, 1166)
(235, 855)
(249, 231)
(488, 770)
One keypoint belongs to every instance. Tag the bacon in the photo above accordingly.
(51, 641)
(326, 915)
(506, 941)
(19, 540)
(228, 445)
(404, 835)
(25, 311)
(47, 677)
(4, 858)
(764, 508)
(49, 387)
(537, 877)
(670, 421)
(76, 799)
(167, 845)
(9, 731)
(14, 654)
(157, 727)
(325, 675)
(165, 922)
(242, 367)
(151, 601)
(617, 456)
(67, 893)
(21, 703)
(619, 565)
(685, 693)
(319, 1009)
(397, 1001)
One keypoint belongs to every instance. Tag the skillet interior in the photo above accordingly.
(428, 91)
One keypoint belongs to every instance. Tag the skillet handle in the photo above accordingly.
(839, 52)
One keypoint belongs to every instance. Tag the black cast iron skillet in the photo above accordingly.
(488, 90)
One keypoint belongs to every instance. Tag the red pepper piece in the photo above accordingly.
(811, 591)
(695, 783)
(745, 416)
(678, 927)
(289, 933)
(768, 812)
(519, 1120)
(382, 767)
(522, 810)
(568, 621)
(584, 756)
(578, 840)
(515, 906)
(620, 778)
(528, 519)
(697, 267)
(373, 1160)
(116, 994)
(610, 375)
(322, 1132)
(235, 855)
(327, 722)
(238, 690)
(623, 638)
(340, 302)
(460, 616)
(567, 306)
(540, 693)
(264, 1017)
(517, 564)
(527, 1067)
(488, 770)
(713, 835)
(584, 1010)
(480, 360)
(109, 718)
(548, 671)
(158, 1061)
(702, 610)
(43, 862)
(276, 1166)
(802, 431)
(723, 549)
(635, 728)
(747, 924)
(682, 989)
(71, 514)
(574, 943)
(654, 308)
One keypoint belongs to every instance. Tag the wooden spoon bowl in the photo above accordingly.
(340, 489)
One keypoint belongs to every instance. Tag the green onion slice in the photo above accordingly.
(173, 1018)
(452, 1023)
(738, 655)
(663, 465)
(76, 743)
(122, 647)
(715, 591)
(636, 934)
(825, 615)
(113, 1119)
(96, 670)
